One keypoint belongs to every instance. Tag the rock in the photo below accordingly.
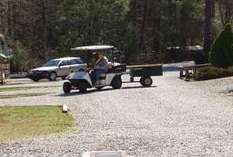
(65, 108)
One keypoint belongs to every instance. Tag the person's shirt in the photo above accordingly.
(102, 64)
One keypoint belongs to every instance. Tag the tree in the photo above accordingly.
(209, 12)
(221, 54)
(148, 22)
(226, 11)
(87, 22)
(143, 29)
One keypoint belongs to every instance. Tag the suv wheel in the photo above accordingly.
(52, 76)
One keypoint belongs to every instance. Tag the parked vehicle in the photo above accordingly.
(60, 67)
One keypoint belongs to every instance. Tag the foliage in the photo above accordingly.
(207, 73)
(19, 122)
(221, 54)
(181, 20)
(21, 60)
(225, 11)
(48, 29)
(87, 22)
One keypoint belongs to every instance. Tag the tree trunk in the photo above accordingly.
(209, 12)
(226, 11)
(45, 28)
(148, 29)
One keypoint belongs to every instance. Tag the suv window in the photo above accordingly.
(64, 63)
(76, 61)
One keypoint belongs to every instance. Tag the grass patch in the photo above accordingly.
(12, 96)
(20, 122)
(11, 89)
(207, 73)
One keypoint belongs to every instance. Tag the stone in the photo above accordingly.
(65, 109)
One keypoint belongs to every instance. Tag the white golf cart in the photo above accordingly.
(82, 80)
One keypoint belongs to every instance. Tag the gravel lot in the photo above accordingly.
(172, 118)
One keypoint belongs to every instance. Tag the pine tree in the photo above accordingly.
(148, 17)
(221, 54)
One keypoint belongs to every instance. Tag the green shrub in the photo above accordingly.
(221, 54)
(207, 73)
(21, 60)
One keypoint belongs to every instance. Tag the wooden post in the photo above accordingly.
(1, 74)
(4, 72)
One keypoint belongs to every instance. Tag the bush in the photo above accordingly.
(221, 54)
(21, 60)
(207, 73)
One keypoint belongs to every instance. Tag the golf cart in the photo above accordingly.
(82, 80)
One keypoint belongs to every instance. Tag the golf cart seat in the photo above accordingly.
(117, 68)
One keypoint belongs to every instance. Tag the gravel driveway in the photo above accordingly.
(172, 118)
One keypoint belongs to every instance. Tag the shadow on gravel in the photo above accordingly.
(228, 92)
(24, 95)
(75, 93)
(137, 87)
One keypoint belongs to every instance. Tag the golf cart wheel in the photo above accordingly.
(52, 76)
(67, 87)
(117, 83)
(82, 86)
(146, 81)
(35, 79)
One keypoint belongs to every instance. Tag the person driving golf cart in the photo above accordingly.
(101, 66)
(101, 73)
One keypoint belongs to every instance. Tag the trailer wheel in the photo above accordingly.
(82, 86)
(35, 79)
(116, 83)
(146, 81)
(67, 87)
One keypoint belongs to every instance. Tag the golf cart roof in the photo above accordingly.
(93, 48)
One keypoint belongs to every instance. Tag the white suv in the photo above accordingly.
(60, 67)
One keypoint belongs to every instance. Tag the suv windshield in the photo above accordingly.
(51, 63)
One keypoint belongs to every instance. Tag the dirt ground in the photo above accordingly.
(171, 118)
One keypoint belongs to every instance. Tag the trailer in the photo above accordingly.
(144, 73)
